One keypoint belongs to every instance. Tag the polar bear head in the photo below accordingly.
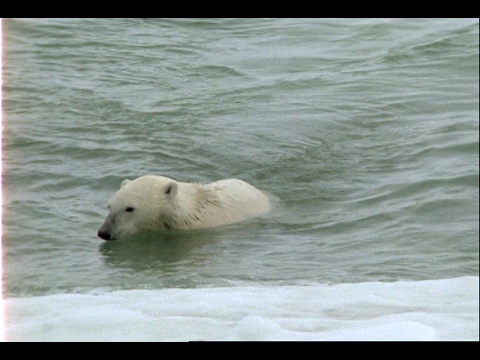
(146, 203)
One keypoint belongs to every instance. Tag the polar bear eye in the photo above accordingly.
(129, 209)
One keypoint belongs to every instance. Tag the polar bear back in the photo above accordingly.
(239, 200)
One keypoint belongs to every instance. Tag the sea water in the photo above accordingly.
(365, 130)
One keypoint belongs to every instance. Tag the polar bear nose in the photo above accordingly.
(104, 235)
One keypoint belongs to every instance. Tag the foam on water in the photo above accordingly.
(405, 310)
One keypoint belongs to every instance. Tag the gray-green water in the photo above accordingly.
(366, 130)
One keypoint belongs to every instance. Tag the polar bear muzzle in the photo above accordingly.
(104, 235)
(105, 231)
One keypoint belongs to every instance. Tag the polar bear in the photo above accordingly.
(155, 202)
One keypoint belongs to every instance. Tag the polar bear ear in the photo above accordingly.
(125, 182)
(171, 189)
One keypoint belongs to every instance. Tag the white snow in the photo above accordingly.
(445, 309)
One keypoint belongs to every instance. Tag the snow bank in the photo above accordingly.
(425, 310)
